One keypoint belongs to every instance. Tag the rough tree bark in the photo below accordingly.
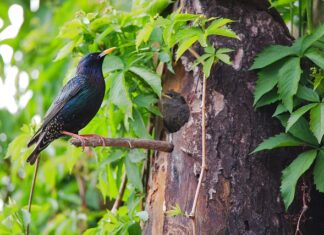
(240, 192)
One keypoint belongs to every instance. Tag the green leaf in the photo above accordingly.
(289, 76)
(150, 77)
(312, 38)
(118, 94)
(112, 63)
(226, 32)
(279, 110)
(308, 94)
(297, 114)
(187, 33)
(292, 173)
(317, 121)
(144, 34)
(139, 126)
(269, 98)
(184, 45)
(175, 211)
(133, 174)
(278, 141)
(319, 171)
(71, 29)
(300, 130)
(136, 155)
(184, 17)
(270, 55)
(267, 79)
(222, 55)
(317, 56)
(65, 51)
(134, 229)
(207, 66)
(216, 24)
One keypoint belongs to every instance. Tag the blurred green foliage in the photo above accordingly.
(75, 190)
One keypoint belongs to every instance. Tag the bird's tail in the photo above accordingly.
(33, 156)
(40, 145)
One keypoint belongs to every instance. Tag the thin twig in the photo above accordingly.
(203, 145)
(305, 206)
(82, 190)
(120, 194)
(163, 146)
(194, 53)
(32, 191)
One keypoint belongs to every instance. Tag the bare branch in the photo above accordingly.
(158, 145)
(31, 194)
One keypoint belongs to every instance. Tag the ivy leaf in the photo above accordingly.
(184, 45)
(297, 114)
(277, 141)
(207, 66)
(319, 172)
(150, 77)
(270, 55)
(316, 56)
(133, 174)
(289, 76)
(317, 121)
(308, 94)
(292, 173)
(268, 78)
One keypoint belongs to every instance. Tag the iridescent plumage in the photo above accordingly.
(75, 106)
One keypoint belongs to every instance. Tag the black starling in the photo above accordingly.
(74, 107)
(175, 111)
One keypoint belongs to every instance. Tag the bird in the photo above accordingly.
(175, 111)
(75, 105)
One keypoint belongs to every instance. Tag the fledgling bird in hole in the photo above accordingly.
(175, 111)
(75, 106)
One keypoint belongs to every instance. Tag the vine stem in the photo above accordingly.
(203, 150)
(32, 191)
(120, 195)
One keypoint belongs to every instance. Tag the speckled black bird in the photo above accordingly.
(175, 111)
(76, 104)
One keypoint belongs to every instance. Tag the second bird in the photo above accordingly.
(75, 106)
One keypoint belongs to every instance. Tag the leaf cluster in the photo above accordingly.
(291, 77)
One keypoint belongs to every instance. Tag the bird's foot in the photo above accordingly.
(102, 139)
(79, 137)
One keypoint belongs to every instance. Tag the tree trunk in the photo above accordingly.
(240, 192)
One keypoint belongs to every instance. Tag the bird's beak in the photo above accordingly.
(166, 96)
(107, 51)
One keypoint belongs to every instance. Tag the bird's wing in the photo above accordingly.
(68, 91)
